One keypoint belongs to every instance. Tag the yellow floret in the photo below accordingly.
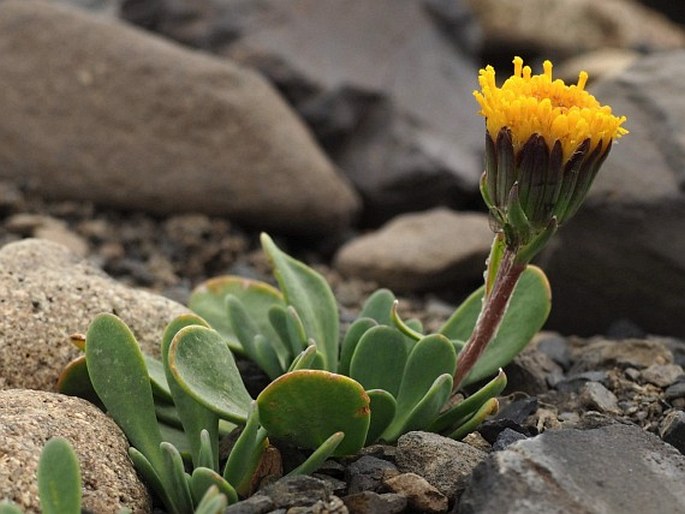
(529, 104)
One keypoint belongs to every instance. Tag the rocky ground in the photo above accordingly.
(120, 166)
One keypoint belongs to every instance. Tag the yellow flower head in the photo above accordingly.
(529, 104)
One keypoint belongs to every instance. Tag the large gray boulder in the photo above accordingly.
(385, 84)
(613, 469)
(95, 110)
(623, 255)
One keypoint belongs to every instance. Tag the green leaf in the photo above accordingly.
(527, 312)
(288, 325)
(354, 333)
(59, 478)
(178, 481)
(486, 410)
(153, 480)
(212, 502)
(379, 359)
(311, 296)
(378, 307)
(208, 300)
(120, 378)
(194, 416)
(457, 415)
(430, 358)
(423, 412)
(306, 407)
(155, 370)
(203, 479)
(178, 438)
(246, 453)
(204, 367)
(308, 359)
(249, 335)
(403, 327)
(75, 381)
(383, 409)
(319, 456)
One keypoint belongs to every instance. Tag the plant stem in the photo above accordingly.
(494, 307)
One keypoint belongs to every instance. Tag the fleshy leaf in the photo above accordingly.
(378, 307)
(208, 300)
(430, 358)
(155, 370)
(423, 412)
(383, 409)
(306, 407)
(202, 479)
(246, 453)
(379, 359)
(119, 376)
(202, 364)
(349, 344)
(59, 478)
(527, 312)
(458, 414)
(311, 296)
(178, 483)
(212, 502)
(75, 381)
(486, 410)
(319, 456)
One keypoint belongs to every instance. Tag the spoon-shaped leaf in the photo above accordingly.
(59, 478)
(310, 294)
(202, 364)
(178, 480)
(208, 300)
(349, 344)
(119, 376)
(378, 307)
(213, 502)
(306, 407)
(246, 453)
(194, 416)
(379, 359)
(158, 381)
(383, 409)
(527, 312)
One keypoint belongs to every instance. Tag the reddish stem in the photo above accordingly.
(494, 307)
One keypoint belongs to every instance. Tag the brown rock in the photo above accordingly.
(424, 250)
(48, 294)
(420, 495)
(129, 120)
(28, 419)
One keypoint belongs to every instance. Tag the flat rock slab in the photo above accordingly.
(96, 110)
(28, 419)
(48, 294)
(612, 469)
(437, 248)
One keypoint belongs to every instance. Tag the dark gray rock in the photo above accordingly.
(530, 372)
(674, 391)
(367, 473)
(556, 347)
(256, 504)
(444, 463)
(368, 502)
(506, 438)
(672, 429)
(298, 491)
(622, 255)
(573, 383)
(580, 471)
(385, 85)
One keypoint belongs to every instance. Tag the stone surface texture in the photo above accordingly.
(129, 120)
(48, 294)
(28, 419)
(385, 85)
(580, 471)
(445, 463)
(437, 248)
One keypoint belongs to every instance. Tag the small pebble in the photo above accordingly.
(507, 437)
(595, 396)
(368, 502)
(672, 429)
(420, 494)
(662, 375)
(675, 391)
